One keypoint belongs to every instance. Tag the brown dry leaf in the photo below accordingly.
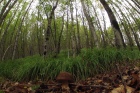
(121, 89)
(135, 76)
(29, 89)
(125, 77)
(136, 68)
(107, 79)
(19, 90)
(6, 85)
(98, 81)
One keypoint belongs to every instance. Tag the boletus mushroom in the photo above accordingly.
(65, 78)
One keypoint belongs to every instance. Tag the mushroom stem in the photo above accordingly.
(65, 87)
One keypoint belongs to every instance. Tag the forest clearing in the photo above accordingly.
(69, 46)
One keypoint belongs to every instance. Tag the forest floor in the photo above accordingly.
(122, 79)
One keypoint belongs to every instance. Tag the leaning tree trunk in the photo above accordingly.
(128, 19)
(18, 32)
(119, 41)
(86, 32)
(78, 32)
(103, 41)
(48, 31)
(137, 3)
(1, 1)
(132, 5)
(4, 36)
(5, 11)
(124, 21)
(91, 26)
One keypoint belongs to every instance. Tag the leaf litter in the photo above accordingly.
(124, 79)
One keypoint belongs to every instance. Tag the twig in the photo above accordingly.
(91, 86)
(124, 83)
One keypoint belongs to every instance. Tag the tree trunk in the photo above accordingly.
(5, 11)
(74, 40)
(100, 28)
(48, 31)
(119, 41)
(126, 27)
(86, 32)
(4, 35)
(94, 42)
(78, 33)
(18, 32)
(137, 3)
(57, 48)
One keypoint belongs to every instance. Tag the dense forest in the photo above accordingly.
(47, 27)
(41, 38)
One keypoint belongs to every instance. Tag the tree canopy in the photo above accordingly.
(47, 27)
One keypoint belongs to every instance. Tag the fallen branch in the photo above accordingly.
(124, 83)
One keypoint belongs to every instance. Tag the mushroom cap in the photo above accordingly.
(65, 76)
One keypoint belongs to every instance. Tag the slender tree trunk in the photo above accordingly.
(68, 34)
(119, 41)
(48, 30)
(133, 30)
(133, 6)
(5, 52)
(86, 32)
(126, 29)
(38, 33)
(1, 1)
(78, 33)
(136, 39)
(5, 11)
(57, 50)
(4, 36)
(108, 40)
(74, 40)
(94, 42)
(137, 3)
(18, 32)
(100, 28)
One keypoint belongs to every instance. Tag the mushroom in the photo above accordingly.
(65, 78)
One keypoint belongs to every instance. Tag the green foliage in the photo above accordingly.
(89, 63)
(1, 91)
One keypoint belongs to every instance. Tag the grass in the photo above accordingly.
(88, 63)
(1, 91)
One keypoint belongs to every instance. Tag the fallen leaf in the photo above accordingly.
(121, 89)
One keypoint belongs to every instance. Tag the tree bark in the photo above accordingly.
(124, 24)
(100, 28)
(119, 41)
(86, 32)
(94, 42)
(48, 30)
(78, 34)
(5, 11)
(18, 32)
(137, 3)
(57, 48)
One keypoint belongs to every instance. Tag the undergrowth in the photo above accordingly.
(88, 63)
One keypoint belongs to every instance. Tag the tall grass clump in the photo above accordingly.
(88, 63)
(104, 59)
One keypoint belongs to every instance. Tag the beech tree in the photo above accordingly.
(5, 10)
(119, 41)
(48, 30)
(53, 27)
(94, 40)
